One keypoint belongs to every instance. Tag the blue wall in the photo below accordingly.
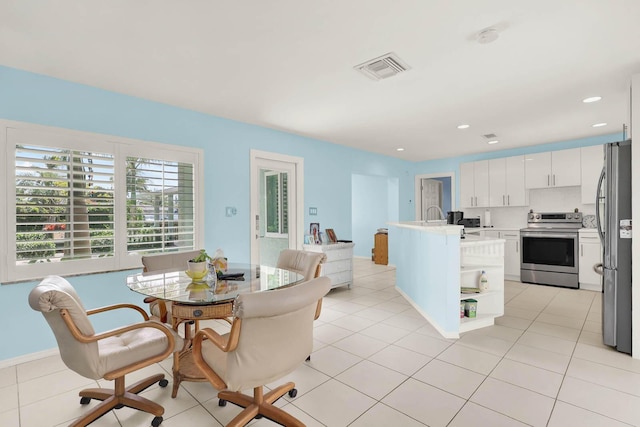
(328, 168)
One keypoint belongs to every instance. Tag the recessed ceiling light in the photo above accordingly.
(495, 141)
(463, 127)
(399, 149)
(598, 125)
(592, 99)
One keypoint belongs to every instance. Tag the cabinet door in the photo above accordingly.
(591, 161)
(590, 255)
(481, 183)
(516, 195)
(565, 168)
(467, 191)
(511, 252)
(537, 169)
(497, 184)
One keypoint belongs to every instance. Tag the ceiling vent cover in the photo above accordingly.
(490, 136)
(383, 67)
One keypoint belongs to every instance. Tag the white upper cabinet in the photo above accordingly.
(553, 169)
(506, 182)
(592, 160)
(474, 184)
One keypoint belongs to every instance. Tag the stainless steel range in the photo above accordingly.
(550, 249)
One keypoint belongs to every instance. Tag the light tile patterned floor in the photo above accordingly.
(377, 362)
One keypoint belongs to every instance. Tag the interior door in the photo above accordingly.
(431, 196)
(276, 205)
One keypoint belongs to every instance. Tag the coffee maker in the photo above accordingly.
(453, 217)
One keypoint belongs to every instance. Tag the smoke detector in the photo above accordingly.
(383, 67)
(487, 35)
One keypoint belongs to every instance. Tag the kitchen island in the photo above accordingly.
(433, 263)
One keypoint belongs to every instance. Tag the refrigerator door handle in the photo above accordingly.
(598, 202)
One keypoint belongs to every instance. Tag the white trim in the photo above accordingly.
(418, 194)
(6, 363)
(118, 146)
(296, 235)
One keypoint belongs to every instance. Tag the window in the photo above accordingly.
(160, 215)
(81, 203)
(276, 200)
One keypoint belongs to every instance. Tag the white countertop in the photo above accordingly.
(471, 240)
(429, 227)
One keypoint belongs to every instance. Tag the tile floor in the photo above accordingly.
(377, 362)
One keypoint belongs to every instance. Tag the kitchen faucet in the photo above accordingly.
(426, 212)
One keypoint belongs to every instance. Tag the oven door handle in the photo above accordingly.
(552, 235)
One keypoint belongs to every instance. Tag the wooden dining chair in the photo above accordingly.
(303, 262)
(157, 307)
(271, 335)
(108, 355)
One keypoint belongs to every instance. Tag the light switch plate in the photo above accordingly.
(230, 211)
(313, 211)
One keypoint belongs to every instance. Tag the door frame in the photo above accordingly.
(296, 233)
(418, 193)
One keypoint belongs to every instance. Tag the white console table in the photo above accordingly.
(339, 264)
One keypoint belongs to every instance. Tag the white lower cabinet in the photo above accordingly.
(339, 264)
(590, 254)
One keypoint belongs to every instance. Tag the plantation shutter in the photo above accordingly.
(160, 205)
(64, 204)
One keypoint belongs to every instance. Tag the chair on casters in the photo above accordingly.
(157, 307)
(302, 262)
(109, 355)
(271, 335)
(307, 263)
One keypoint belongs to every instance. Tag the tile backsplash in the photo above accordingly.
(562, 199)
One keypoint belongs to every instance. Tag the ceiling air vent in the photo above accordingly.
(383, 67)
(490, 136)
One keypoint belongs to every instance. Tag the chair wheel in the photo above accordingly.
(85, 400)
(156, 421)
(222, 402)
(163, 383)
(120, 406)
(293, 393)
(257, 417)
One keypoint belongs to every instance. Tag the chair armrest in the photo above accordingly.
(119, 306)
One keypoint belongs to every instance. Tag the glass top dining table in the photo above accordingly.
(176, 286)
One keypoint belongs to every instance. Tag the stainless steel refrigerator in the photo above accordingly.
(613, 215)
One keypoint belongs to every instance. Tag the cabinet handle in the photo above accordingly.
(503, 200)
(554, 179)
(471, 200)
(517, 250)
(476, 200)
(508, 200)
(581, 250)
(548, 180)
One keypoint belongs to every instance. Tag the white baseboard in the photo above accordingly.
(28, 357)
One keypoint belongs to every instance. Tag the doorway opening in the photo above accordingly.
(436, 189)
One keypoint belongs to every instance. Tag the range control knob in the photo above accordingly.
(538, 216)
(530, 216)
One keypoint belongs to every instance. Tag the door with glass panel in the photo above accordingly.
(275, 206)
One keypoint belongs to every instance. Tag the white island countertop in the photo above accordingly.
(437, 227)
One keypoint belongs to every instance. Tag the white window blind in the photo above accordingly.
(64, 204)
(160, 205)
(80, 203)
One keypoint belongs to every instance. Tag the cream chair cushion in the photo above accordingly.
(276, 335)
(302, 262)
(92, 360)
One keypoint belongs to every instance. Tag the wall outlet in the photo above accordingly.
(313, 211)
(230, 211)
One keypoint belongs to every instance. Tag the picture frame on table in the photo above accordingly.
(314, 231)
(331, 235)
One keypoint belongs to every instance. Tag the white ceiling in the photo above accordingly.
(288, 64)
